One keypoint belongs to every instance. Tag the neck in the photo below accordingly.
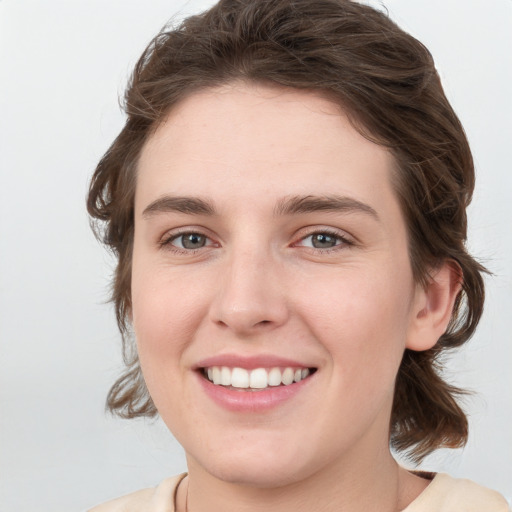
(370, 486)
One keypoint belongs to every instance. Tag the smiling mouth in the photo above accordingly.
(257, 379)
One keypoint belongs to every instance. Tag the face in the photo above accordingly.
(270, 257)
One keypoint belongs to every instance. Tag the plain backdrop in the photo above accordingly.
(62, 66)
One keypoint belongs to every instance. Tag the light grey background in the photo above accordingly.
(62, 65)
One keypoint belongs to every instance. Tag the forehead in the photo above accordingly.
(248, 142)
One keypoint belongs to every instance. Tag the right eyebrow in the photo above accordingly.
(180, 204)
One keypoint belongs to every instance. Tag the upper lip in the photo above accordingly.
(250, 362)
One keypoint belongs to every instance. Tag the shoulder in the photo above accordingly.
(155, 499)
(448, 494)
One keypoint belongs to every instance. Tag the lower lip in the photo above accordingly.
(252, 401)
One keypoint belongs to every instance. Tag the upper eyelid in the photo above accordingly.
(328, 233)
(166, 242)
(300, 234)
(170, 234)
(337, 232)
(342, 241)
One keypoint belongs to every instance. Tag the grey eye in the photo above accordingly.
(191, 241)
(323, 241)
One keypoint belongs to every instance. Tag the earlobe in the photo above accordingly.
(433, 306)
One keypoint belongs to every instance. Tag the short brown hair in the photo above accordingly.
(386, 81)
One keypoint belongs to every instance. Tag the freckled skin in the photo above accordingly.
(259, 286)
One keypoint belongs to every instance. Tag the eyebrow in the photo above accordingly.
(188, 205)
(286, 206)
(309, 204)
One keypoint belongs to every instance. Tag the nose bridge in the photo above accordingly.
(250, 295)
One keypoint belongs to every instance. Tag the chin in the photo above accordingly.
(270, 469)
(263, 478)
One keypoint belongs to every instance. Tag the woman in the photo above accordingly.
(288, 204)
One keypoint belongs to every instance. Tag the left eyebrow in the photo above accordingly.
(309, 204)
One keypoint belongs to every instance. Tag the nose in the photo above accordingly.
(251, 294)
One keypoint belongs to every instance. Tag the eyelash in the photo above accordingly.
(166, 242)
(342, 242)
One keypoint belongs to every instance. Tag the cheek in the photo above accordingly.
(362, 321)
(164, 323)
(166, 314)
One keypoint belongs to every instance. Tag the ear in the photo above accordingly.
(433, 306)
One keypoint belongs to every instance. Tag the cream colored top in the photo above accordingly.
(443, 494)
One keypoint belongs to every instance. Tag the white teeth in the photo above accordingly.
(259, 378)
(287, 377)
(239, 378)
(225, 376)
(216, 375)
(274, 377)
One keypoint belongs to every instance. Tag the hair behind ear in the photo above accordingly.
(426, 414)
(438, 420)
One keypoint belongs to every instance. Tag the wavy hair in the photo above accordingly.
(386, 81)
